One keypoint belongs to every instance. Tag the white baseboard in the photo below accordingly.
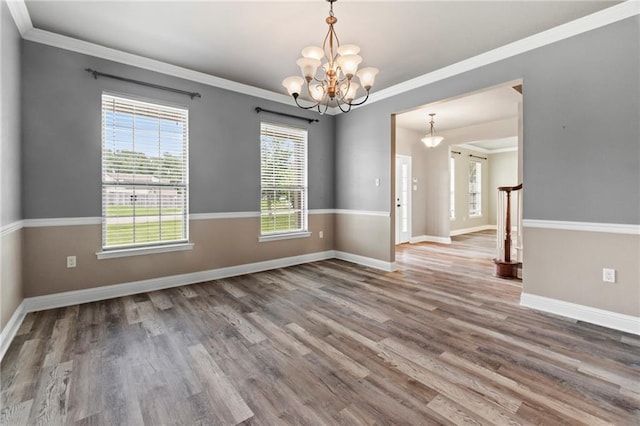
(9, 331)
(429, 239)
(614, 320)
(118, 290)
(473, 229)
(365, 261)
(70, 298)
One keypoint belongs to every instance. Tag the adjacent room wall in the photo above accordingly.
(61, 176)
(572, 103)
(11, 293)
(503, 172)
(464, 221)
(430, 202)
(428, 199)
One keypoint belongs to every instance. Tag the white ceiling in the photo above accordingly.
(488, 105)
(257, 42)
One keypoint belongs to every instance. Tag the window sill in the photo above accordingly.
(138, 251)
(276, 237)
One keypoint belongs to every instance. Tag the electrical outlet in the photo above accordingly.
(321, 234)
(608, 275)
(71, 261)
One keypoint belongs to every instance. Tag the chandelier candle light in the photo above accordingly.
(430, 140)
(328, 72)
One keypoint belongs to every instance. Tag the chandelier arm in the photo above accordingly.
(363, 101)
(346, 91)
(295, 98)
(326, 107)
(340, 106)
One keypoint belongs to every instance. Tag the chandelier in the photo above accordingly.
(430, 140)
(328, 72)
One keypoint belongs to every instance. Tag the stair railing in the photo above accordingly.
(509, 242)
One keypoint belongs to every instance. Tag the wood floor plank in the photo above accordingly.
(160, 300)
(453, 375)
(483, 408)
(453, 412)
(341, 359)
(244, 327)
(438, 341)
(16, 414)
(366, 342)
(279, 335)
(559, 406)
(85, 393)
(219, 386)
(51, 405)
(233, 290)
(57, 342)
(19, 380)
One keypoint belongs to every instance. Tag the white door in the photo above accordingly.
(403, 199)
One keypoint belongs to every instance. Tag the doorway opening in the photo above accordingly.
(403, 199)
(453, 187)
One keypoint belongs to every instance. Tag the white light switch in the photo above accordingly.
(71, 261)
(377, 181)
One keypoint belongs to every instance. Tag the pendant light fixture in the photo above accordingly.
(328, 72)
(430, 140)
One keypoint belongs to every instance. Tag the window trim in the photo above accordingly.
(159, 246)
(139, 251)
(283, 236)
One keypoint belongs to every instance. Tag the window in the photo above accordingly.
(452, 188)
(475, 188)
(283, 180)
(145, 187)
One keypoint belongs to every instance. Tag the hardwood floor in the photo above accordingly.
(438, 341)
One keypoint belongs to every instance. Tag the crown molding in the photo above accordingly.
(471, 147)
(599, 19)
(20, 15)
(92, 49)
(501, 150)
(596, 20)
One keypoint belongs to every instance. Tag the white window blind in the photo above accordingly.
(145, 189)
(283, 179)
(475, 188)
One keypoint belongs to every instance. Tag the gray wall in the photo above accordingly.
(62, 137)
(581, 129)
(10, 204)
